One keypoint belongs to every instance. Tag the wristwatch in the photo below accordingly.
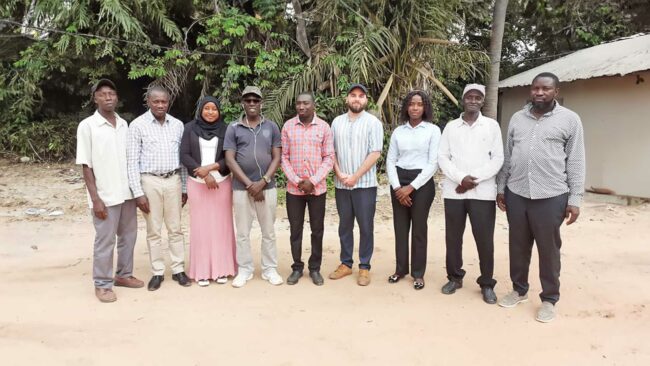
(266, 179)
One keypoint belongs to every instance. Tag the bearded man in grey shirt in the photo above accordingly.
(541, 183)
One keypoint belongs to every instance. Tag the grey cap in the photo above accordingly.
(358, 85)
(252, 90)
(100, 83)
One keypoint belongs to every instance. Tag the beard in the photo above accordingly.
(356, 108)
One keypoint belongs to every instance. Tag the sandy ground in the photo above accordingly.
(49, 315)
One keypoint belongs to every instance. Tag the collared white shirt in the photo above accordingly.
(102, 147)
(153, 147)
(475, 150)
(413, 148)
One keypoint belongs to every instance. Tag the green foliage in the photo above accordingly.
(47, 140)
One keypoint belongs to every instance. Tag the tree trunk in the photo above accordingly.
(496, 40)
(301, 29)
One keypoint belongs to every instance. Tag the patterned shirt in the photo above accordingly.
(307, 153)
(475, 150)
(353, 141)
(544, 157)
(153, 147)
(413, 148)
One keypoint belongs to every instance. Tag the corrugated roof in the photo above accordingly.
(620, 57)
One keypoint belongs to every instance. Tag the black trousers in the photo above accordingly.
(482, 215)
(296, 214)
(415, 216)
(536, 221)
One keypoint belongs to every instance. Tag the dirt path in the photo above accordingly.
(49, 315)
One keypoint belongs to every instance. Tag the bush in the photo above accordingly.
(48, 140)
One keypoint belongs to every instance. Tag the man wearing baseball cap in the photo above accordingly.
(358, 140)
(101, 151)
(470, 155)
(253, 147)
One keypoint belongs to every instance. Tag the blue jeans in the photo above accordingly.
(356, 204)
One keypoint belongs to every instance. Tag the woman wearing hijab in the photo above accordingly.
(212, 236)
(410, 164)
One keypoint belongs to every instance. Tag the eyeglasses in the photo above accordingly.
(252, 101)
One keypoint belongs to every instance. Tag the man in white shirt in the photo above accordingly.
(470, 155)
(101, 151)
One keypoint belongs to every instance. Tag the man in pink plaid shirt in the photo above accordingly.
(307, 159)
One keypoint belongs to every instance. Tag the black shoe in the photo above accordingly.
(451, 287)
(154, 283)
(316, 278)
(294, 277)
(394, 278)
(488, 295)
(182, 279)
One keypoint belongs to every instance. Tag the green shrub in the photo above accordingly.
(48, 140)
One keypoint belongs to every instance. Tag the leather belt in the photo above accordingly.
(164, 175)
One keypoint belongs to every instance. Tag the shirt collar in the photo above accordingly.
(296, 120)
(420, 125)
(100, 120)
(479, 120)
(151, 117)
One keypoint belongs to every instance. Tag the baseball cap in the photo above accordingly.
(478, 87)
(357, 85)
(252, 90)
(100, 83)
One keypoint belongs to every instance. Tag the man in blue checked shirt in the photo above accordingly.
(157, 180)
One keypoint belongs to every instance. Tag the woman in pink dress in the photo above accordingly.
(209, 190)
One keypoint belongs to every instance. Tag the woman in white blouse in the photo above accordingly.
(209, 190)
(410, 165)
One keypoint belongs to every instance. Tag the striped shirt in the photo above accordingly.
(153, 147)
(353, 141)
(544, 157)
(475, 150)
(307, 153)
(413, 148)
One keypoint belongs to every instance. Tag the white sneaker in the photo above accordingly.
(546, 312)
(512, 299)
(241, 279)
(222, 280)
(203, 283)
(273, 277)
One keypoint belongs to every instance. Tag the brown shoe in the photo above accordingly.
(105, 294)
(340, 272)
(130, 282)
(364, 277)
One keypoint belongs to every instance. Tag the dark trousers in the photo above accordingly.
(538, 221)
(415, 216)
(482, 215)
(356, 204)
(296, 213)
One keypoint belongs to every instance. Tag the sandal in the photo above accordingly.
(418, 284)
(394, 278)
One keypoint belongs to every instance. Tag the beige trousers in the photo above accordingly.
(164, 195)
(246, 211)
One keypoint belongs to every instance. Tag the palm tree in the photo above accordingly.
(391, 46)
(496, 41)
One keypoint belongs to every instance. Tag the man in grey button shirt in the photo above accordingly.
(541, 183)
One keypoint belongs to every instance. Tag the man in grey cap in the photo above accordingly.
(253, 149)
(470, 155)
(101, 151)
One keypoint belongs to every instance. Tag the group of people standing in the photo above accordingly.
(227, 174)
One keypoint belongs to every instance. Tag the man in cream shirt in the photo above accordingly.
(470, 155)
(101, 151)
